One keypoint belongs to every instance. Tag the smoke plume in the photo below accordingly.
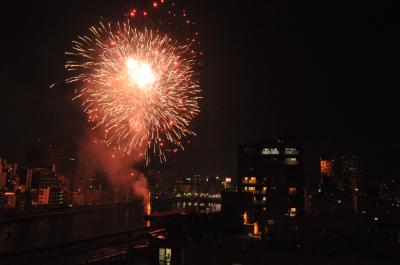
(120, 170)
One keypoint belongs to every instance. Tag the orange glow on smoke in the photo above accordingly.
(148, 208)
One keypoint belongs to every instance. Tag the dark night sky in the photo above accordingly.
(324, 72)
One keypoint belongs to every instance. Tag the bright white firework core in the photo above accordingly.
(140, 73)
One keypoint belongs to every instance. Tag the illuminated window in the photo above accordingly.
(291, 151)
(271, 221)
(164, 256)
(292, 190)
(264, 190)
(270, 151)
(253, 180)
(264, 198)
(249, 189)
(291, 161)
(292, 212)
(255, 229)
(245, 180)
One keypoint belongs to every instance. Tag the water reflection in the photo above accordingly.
(196, 206)
(54, 230)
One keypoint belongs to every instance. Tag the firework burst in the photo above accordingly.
(138, 87)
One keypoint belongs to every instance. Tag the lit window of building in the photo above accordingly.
(249, 189)
(291, 151)
(164, 256)
(264, 190)
(291, 161)
(270, 151)
(292, 190)
(264, 198)
(227, 183)
(253, 180)
(255, 228)
(292, 212)
(245, 180)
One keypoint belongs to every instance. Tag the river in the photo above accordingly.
(52, 230)
(46, 231)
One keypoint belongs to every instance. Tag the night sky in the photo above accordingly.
(326, 73)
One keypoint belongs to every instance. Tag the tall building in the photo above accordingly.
(272, 173)
(8, 200)
(43, 178)
(343, 171)
(57, 196)
(7, 176)
(36, 156)
(44, 196)
(352, 169)
(3, 175)
(55, 155)
(340, 186)
(28, 180)
(45, 156)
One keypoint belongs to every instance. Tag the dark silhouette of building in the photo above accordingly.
(272, 173)
(45, 156)
(36, 156)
